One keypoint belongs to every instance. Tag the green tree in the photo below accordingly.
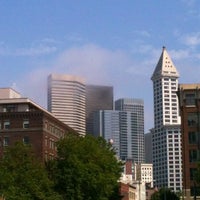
(86, 168)
(23, 177)
(196, 174)
(164, 194)
(195, 190)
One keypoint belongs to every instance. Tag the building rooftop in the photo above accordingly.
(189, 86)
(165, 66)
(66, 77)
(9, 93)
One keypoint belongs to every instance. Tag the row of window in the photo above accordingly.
(50, 143)
(6, 141)
(6, 124)
(54, 129)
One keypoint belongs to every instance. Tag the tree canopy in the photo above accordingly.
(164, 194)
(86, 168)
(23, 177)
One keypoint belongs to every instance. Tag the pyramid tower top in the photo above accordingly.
(165, 66)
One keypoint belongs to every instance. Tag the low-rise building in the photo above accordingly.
(23, 120)
(144, 173)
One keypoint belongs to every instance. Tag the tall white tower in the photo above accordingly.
(66, 100)
(166, 135)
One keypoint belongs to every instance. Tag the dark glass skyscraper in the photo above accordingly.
(97, 98)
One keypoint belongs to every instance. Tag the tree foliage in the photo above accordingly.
(23, 177)
(164, 194)
(196, 175)
(86, 168)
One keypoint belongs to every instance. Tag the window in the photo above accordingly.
(193, 155)
(26, 124)
(9, 108)
(192, 173)
(6, 141)
(193, 137)
(190, 99)
(6, 125)
(26, 140)
(192, 119)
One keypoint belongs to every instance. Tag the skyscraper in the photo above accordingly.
(132, 128)
(97, 98)
(66, 100)
(107, 125)
(166, 135)
(123, 128)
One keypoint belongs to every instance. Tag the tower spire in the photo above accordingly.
(165, 66)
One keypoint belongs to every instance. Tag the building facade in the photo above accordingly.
(166, 135)
(97, 98)
(132, 128)
(23, 120)
(107, 125)
(189, 98)
(144, 173)
(67, 100)
(124, 129)
(148, 147)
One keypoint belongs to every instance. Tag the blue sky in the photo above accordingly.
(109, 42)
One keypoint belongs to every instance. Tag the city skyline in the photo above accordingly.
(107, 42)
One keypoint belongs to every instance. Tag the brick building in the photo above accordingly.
(127, 191)
(23, 120)
(189, 100)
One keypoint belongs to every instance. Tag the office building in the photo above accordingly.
(107, 125)
(132, 128)
(67, 100)
(166, 135)
(124, 129)
(97, 98)
(23, 120)
(189, 101)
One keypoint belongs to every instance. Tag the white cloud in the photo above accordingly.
(98, 66)
(43, 47)
(74, 37)
(189, 3)
(179, 54)
(192, 39)
(34, 51)
(50, 41)
(142, 33)
(93, 62)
